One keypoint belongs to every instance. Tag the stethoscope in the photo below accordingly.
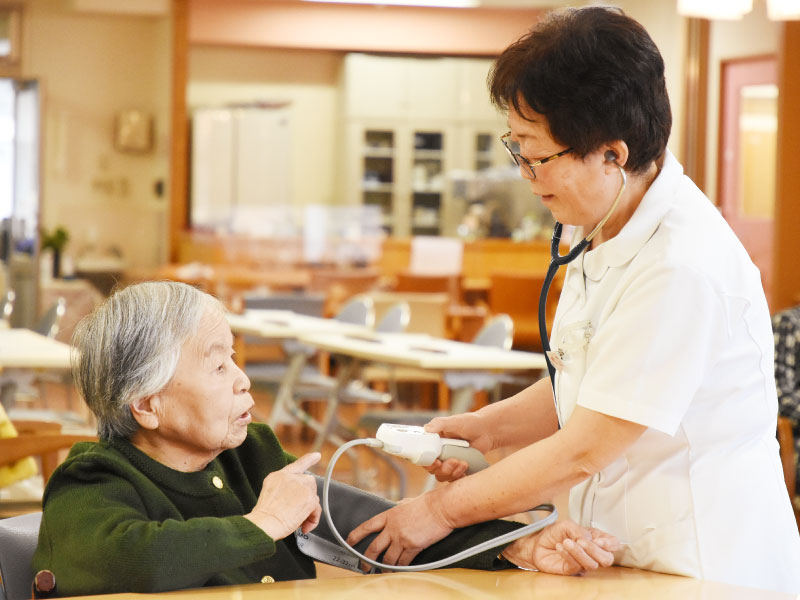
(556, 261)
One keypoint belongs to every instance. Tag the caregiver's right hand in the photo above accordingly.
(465, 426)
(288, 500)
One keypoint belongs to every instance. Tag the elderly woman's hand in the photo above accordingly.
(564, 548)
(288, 500)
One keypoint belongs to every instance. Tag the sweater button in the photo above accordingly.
(217, 482)
(267, 579)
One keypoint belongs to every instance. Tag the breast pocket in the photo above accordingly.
(568, 356)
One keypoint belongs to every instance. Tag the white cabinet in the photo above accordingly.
(240, 166)
(413, 127)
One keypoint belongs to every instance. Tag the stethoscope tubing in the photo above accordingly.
(556, 261)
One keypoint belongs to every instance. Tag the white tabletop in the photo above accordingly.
(419, 350)
(26, 349)
(285, 324)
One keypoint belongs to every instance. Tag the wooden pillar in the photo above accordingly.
(695, 101)
(786, 286)
(179, 133)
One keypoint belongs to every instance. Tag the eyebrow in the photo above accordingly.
(215, 348)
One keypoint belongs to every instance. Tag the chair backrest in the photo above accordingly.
(436, 255)
(7, 305)
(49, 323)
(438, 284)
(395, 319)
(18, 539)
(517, 295)
(358, 311)
(498, 332)
(428, 312)
(310, 304)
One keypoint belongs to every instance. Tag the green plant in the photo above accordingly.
(55, 240)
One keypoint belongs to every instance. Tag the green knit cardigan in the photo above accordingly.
(116, 520)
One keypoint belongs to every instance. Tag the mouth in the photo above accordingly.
(246, 416)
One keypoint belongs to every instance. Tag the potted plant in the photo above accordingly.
(55, 241)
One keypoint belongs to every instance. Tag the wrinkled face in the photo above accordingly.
(576, 191)
(205, 408)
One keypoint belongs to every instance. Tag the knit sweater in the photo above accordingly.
(116, 520)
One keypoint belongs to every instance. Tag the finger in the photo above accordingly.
(378, 545)
(602, 557)
(374, 524)
(303, 463)
(433, 467)
(605, 540)
(312, 520)
(570, 566)
(436, 425)
(407, 556)
(578, 553)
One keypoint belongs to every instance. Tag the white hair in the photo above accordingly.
(129, 347)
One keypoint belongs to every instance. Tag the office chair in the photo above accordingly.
(50, 321)
(7, 307)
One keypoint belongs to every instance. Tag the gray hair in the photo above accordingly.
(129, 347)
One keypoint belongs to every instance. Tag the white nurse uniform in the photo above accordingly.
(666, 325)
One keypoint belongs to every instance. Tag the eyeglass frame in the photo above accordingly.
(519, 159)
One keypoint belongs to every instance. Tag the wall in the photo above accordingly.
(308, 80)
(90, 67)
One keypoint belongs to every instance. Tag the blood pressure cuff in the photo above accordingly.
(351, 506)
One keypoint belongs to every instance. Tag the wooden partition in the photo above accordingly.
(481, 257)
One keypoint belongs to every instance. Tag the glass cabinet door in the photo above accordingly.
(427, 182)
(378, 177)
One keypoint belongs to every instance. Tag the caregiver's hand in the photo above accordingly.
(466, 426)
(288, 500)
(564, 548)
(405, 530)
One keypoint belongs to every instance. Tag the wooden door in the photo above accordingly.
(747, 155)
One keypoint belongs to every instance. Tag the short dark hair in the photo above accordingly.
(597, 76)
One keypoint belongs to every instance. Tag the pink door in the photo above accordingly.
(747, 155)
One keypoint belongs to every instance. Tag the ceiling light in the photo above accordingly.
(428, 3)
(715, 9)
(783, 10)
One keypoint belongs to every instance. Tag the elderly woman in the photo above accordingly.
(183, 490)
(661, 343)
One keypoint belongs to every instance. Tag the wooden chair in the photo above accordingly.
(340, 285)
(43, 440)
(788, 460)
(517, 295)
(442, 284)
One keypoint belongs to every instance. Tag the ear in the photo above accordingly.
(146, 411)
(620, 150)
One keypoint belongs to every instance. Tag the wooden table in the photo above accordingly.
(26, 349)
(281, 325)
(412, 350)
(23, 351)
(612, 583)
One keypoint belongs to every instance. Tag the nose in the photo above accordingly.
(242, 382)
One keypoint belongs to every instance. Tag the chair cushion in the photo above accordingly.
(18, 539)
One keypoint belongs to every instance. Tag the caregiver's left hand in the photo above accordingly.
(405, 530)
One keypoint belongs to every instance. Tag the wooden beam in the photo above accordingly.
(179, 134)
(695, 101)
(786, 286)
(359, 28)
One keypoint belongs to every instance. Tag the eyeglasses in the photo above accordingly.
(513, 149)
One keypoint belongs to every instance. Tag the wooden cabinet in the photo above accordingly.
(414, 126)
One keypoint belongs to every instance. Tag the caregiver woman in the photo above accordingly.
(662, 336)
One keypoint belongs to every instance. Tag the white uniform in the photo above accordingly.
(666, 325)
